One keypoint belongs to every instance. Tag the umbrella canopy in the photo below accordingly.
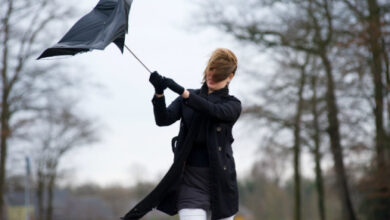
(106, 23)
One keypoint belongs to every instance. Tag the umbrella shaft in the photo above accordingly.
(138, 59)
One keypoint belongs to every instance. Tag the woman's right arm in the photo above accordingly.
(163, 115)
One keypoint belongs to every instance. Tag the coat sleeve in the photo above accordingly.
(163, 115)
(228, 111)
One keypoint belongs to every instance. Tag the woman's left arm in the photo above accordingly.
(228, 111)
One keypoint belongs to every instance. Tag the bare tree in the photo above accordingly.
(24, 29)
(297, 137)
(370, 15)
(372, 18)
(316, 136)
(293, 77)
(61, 129)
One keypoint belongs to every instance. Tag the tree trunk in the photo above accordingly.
(387, 74)
(382, 182)
(374, 33)
(297, 147)
(40, 193)
(3, 147)
(4, 116)
(50, 195)
(335, 141)
(317, 151)
(51, 168)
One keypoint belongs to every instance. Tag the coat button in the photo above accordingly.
(220, 148)
(181, 124)
(224, 167)
(219, 129)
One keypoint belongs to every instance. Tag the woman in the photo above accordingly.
(201, 182)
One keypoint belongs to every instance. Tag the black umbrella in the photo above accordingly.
(106, 23)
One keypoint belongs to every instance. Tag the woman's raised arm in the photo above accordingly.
(163, 115)
(228, 111)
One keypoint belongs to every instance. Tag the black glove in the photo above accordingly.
(174, 86)
(158, 82)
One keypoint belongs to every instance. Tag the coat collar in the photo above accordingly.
(220, 92)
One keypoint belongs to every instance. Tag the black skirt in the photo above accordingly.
(194, 191)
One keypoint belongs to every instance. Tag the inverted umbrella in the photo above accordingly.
(106, 23)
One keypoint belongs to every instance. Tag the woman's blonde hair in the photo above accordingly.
(224, 62)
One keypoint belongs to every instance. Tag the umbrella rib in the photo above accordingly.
(138, 59)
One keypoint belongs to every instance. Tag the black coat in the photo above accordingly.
(221, 111)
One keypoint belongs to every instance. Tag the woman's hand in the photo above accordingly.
(185, 94)
(174, 86)
(158, 82)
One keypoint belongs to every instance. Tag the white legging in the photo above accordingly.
(197, 214)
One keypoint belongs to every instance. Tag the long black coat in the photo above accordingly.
(221, 111)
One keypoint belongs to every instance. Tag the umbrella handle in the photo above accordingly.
(138, 59)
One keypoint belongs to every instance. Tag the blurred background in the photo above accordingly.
(78, 137)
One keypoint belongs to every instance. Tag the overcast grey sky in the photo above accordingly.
(133, 146)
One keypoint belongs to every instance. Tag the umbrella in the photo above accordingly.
(106, 23)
